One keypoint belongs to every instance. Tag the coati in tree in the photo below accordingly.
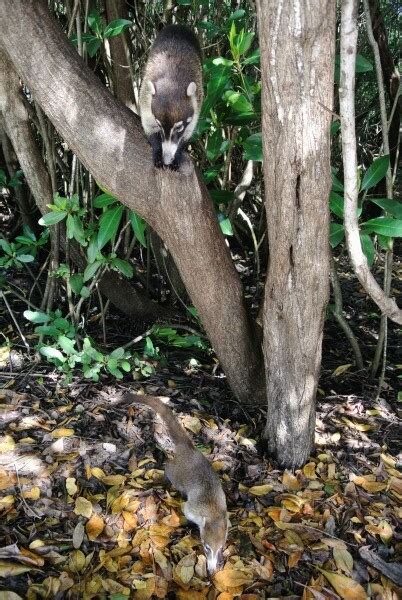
(171, 94)
(192, 475)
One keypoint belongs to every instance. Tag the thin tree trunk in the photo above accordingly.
(297, 41)
(108, 140)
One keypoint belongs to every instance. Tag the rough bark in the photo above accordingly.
(107, 138)
(358, 259)
(120, 292)
(297, 41)
(122, 81)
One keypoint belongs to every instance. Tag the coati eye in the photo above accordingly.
(180, 129)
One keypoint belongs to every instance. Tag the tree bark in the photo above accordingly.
(107, 138)
(122, 81)
(358, 259)
(297, 41)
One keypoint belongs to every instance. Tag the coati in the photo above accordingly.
(171, 94)
(192, 475)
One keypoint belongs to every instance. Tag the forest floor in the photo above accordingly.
(85, 511)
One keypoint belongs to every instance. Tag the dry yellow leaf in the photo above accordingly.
(6, 595)
(94, 526)
(62, 432)
(358, 426)
(290, 481)
(191, 594)
(230, 578)
(341, 369)
(10, 569)
(368, 484)
(130, 520)
(34, 558)
(71, 486)
(225, 596)
(218, 465)
(32, 494)
(260, 490)
(184, 570)
(146, 592)
(83, 507)
(294, 558)
(292, 502)
(76, 561)
(347, 588)
(114, 587)
(120, 503)
(6, 501)
(7, 444)
(343, 559)
(192, 423)
(113, 479)
(97, 472)
(309, 470)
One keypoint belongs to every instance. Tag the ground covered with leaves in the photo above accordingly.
(86, 512)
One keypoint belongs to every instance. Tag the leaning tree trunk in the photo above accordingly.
(297, 42)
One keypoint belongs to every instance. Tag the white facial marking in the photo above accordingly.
(191, 89)
(152, 88)
(169, 149)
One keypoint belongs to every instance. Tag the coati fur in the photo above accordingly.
(171, 94)
(193, 476)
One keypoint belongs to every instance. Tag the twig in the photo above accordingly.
(382, 336)
(14, 320)
(338, 314)
(358, 259)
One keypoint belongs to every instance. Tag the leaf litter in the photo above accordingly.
(85, 511)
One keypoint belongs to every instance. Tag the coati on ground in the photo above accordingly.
(192, 475)
(171, 94)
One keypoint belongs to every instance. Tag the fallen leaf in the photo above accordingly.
(71, 486)
(260, 490)
(94, 526)
(113, 479)
(347, 588)
(341, 369)
(309, 470)
(83, 507)
(9, 569)
(62, 432)
(343, 559)
(368, 484)
(183, 572)
(76, 561)
(7, 444)
(78, 535)
(290, 481)
(230, 578)
(32, 494)
(9, 596)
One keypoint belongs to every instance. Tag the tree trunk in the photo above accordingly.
(297, 41)
(108, 140)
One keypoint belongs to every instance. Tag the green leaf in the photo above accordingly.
(116, 27)
(93, 46)
(254, 58)
(52, 218)
(109, 224)
(76, 282)
(337, 186)
(25, 258)
(214, 145)
(66, 344)
(115, 372)
(216, 85)
(391, 206)
(117, 353)
(35, 316)
(221, 196)
(242, 118)
(124, 267)
(336, 234)
(244, 41)
(253, 147)
(95, 21)
(93, 251)
(237, 14)
(375, 172)
(385, 226)
(238, 102)
(139, 226)
(85, 292)
(220, 60)
(335, 127)
(91, 269)
(362, 64)
(104, 200)
(50, 352)
(368, 247)
(226, 226)
(336, 204)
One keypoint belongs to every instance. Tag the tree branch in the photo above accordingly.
(347, 111)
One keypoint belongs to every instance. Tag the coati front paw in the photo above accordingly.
(174, 166)
(158, 162)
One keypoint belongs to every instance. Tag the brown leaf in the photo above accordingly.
(78, 535)
(9, 569)
(347, 588)
(184, 570)
(260, 490)
(290, 481)
(94, 526)
(230, 578)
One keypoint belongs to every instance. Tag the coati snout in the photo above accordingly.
(171, 94)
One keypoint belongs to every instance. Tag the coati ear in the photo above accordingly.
(152, 88)
(191, 89)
